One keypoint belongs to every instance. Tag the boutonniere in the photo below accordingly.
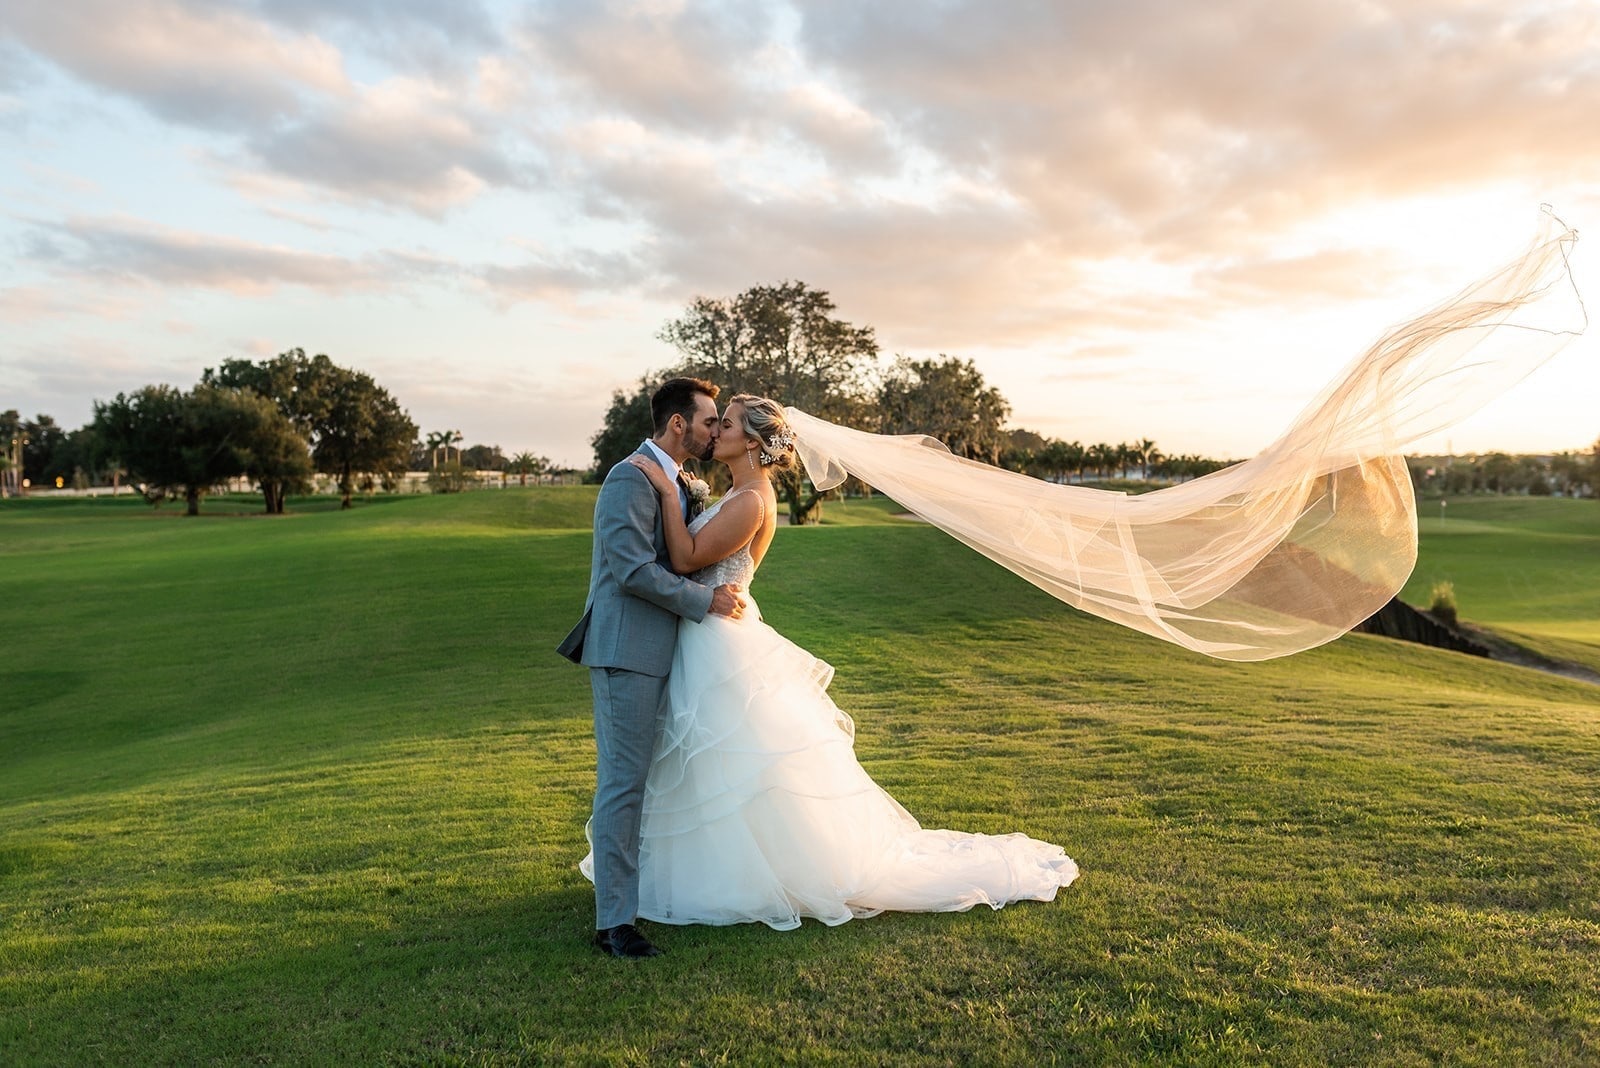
(699, 492)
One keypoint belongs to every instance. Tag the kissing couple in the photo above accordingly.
(727, 787)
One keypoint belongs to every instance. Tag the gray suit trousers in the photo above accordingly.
(628, 712)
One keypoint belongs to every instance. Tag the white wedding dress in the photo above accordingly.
(756, 808)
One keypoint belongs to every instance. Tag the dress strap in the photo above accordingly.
(761, 504)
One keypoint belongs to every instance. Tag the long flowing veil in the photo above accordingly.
(1272, 556)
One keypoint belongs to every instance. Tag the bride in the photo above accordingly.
(756, 808)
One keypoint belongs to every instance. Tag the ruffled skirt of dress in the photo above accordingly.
(757, 810)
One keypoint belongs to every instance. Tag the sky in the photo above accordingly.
(1150, 219)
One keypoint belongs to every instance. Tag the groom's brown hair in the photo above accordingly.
(676, 397)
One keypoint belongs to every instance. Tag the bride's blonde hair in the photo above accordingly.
(764, 421)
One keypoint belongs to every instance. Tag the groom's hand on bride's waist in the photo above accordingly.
(725, 601)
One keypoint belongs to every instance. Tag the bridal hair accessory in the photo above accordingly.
(775, 446)
(1278, 554)
(699, 492)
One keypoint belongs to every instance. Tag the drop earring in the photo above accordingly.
(750, 454)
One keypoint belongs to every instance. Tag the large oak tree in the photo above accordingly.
(182, 444)
(348, 425)
(784, 342)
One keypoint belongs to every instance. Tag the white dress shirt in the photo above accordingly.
(668, 464)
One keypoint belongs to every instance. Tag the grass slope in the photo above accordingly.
(1528, 568)
(312, 789)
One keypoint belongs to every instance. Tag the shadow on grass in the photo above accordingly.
(518, 979)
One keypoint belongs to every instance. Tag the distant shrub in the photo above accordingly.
(452, 477)
(1442, 604)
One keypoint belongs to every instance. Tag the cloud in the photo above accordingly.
(193, 64)
(551, 410)
(843, 133)
(407, 34)
(281, 92)
(562, 278)
(145, 253)
(404, 142)
(664, 64)
(65, 375)
(21, 305)
(964, 174)
(965, 177)
(310, 222)
(1185, 126)
(15, 67)
(1327, 274)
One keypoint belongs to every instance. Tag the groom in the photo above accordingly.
(626, 639)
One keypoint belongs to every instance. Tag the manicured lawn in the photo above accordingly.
(1528, 568)
(312, 789)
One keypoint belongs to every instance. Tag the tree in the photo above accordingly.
(44, 438)
(11, 450)
(183, 443)
(526, 463)
(779, 341)
(437, 439)
(1022, 451)
(452, 476)
(1499, 472)
(298, 386)
(349, 424)
(946, 399)
(277, 458)
(75, 455)
(627, 423)
(1062, 458)
(1146, 455)
(1101, 456)
(482, 458)
(364, 430)
(1568, 473)
(1122, 454)
(1152, 460)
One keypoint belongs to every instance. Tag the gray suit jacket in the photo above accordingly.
(631, 617)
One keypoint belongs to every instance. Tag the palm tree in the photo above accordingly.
(1075, 454)
(1146, 453)
(1053, 459)
(1153, 460)
(526, 463)
(438, 439)
(1126, 458)
(1101, 456)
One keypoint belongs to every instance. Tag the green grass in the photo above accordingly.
(1527, 568)
(312, 788)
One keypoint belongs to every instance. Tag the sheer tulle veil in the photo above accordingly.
(1272, 556)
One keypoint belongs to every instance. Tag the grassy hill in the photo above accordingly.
(1524, 567)
(312, 788)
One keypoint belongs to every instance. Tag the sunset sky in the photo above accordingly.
(1145, 219)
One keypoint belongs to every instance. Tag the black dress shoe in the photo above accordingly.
(624, 940)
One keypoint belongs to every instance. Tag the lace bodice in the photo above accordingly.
(735, 570)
